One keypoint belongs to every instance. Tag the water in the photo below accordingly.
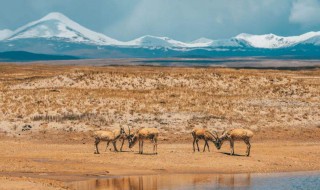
(281, 181)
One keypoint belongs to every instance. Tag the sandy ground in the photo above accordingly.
(24, 162)
(65, 104)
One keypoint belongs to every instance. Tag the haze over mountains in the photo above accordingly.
(59, 35)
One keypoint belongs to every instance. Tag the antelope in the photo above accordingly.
(235, 135)
(204, 134)
(143, 134)
(122, 137)
(108, 136)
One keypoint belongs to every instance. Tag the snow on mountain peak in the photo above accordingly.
(57, 25)
(308, 35)
(202, 42)
(274, 41)
(155, 41)
(5, 33)
(243, 35)
(56, 16)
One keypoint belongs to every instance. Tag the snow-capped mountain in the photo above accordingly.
(56, 25)
(59, 35)
(59, 27)
(313, 41)
(154, 41)
(274, 41)
(5, 34)
(201, 42)
(232, 42)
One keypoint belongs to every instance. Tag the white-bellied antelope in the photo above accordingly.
(108, 136)
(206, 135)
(144, 134)
(235, 135)
(122, 137)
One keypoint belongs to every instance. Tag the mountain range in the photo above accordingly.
(56, 34)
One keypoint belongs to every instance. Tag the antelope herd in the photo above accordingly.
(152, 134)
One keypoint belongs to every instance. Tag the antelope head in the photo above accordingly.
(133, 139)
(217, 142)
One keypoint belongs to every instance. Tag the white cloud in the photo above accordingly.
(305, 12)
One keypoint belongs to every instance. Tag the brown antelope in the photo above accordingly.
(122, 137)
(108, 136)
(143, 134)
(235, 135)
(204, 134)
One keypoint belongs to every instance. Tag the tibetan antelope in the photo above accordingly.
(204, 134)
(122, 137)
(235, 135)
(108, 136)
(143, 134)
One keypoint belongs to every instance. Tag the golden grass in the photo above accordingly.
(172, 98)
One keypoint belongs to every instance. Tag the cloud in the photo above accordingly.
(305, 12)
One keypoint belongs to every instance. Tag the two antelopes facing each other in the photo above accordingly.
(205, 135)
(123, 137)
(140, 135)
(145, 134)
(109, 136)
(230, 135)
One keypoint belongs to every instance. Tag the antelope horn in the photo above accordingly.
(216, 134)
(212, 135)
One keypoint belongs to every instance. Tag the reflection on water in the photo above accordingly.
(204, 181)
(165, 182)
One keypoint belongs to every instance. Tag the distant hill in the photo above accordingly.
(27, 56)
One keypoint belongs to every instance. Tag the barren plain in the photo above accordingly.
(48, 113)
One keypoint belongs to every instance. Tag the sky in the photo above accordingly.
(184, 20)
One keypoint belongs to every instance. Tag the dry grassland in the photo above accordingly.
(64, 104)
(82, 98)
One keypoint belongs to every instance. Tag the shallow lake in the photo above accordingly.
(282, 181)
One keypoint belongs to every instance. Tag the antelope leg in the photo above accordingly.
(142, 147)
(107, 146)
(121, 145)
(194, 141)
(248, 147)
(115, 146)
(232, 147)
(198, 145)
(156, 145)
(205, 144)
(97, 141)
